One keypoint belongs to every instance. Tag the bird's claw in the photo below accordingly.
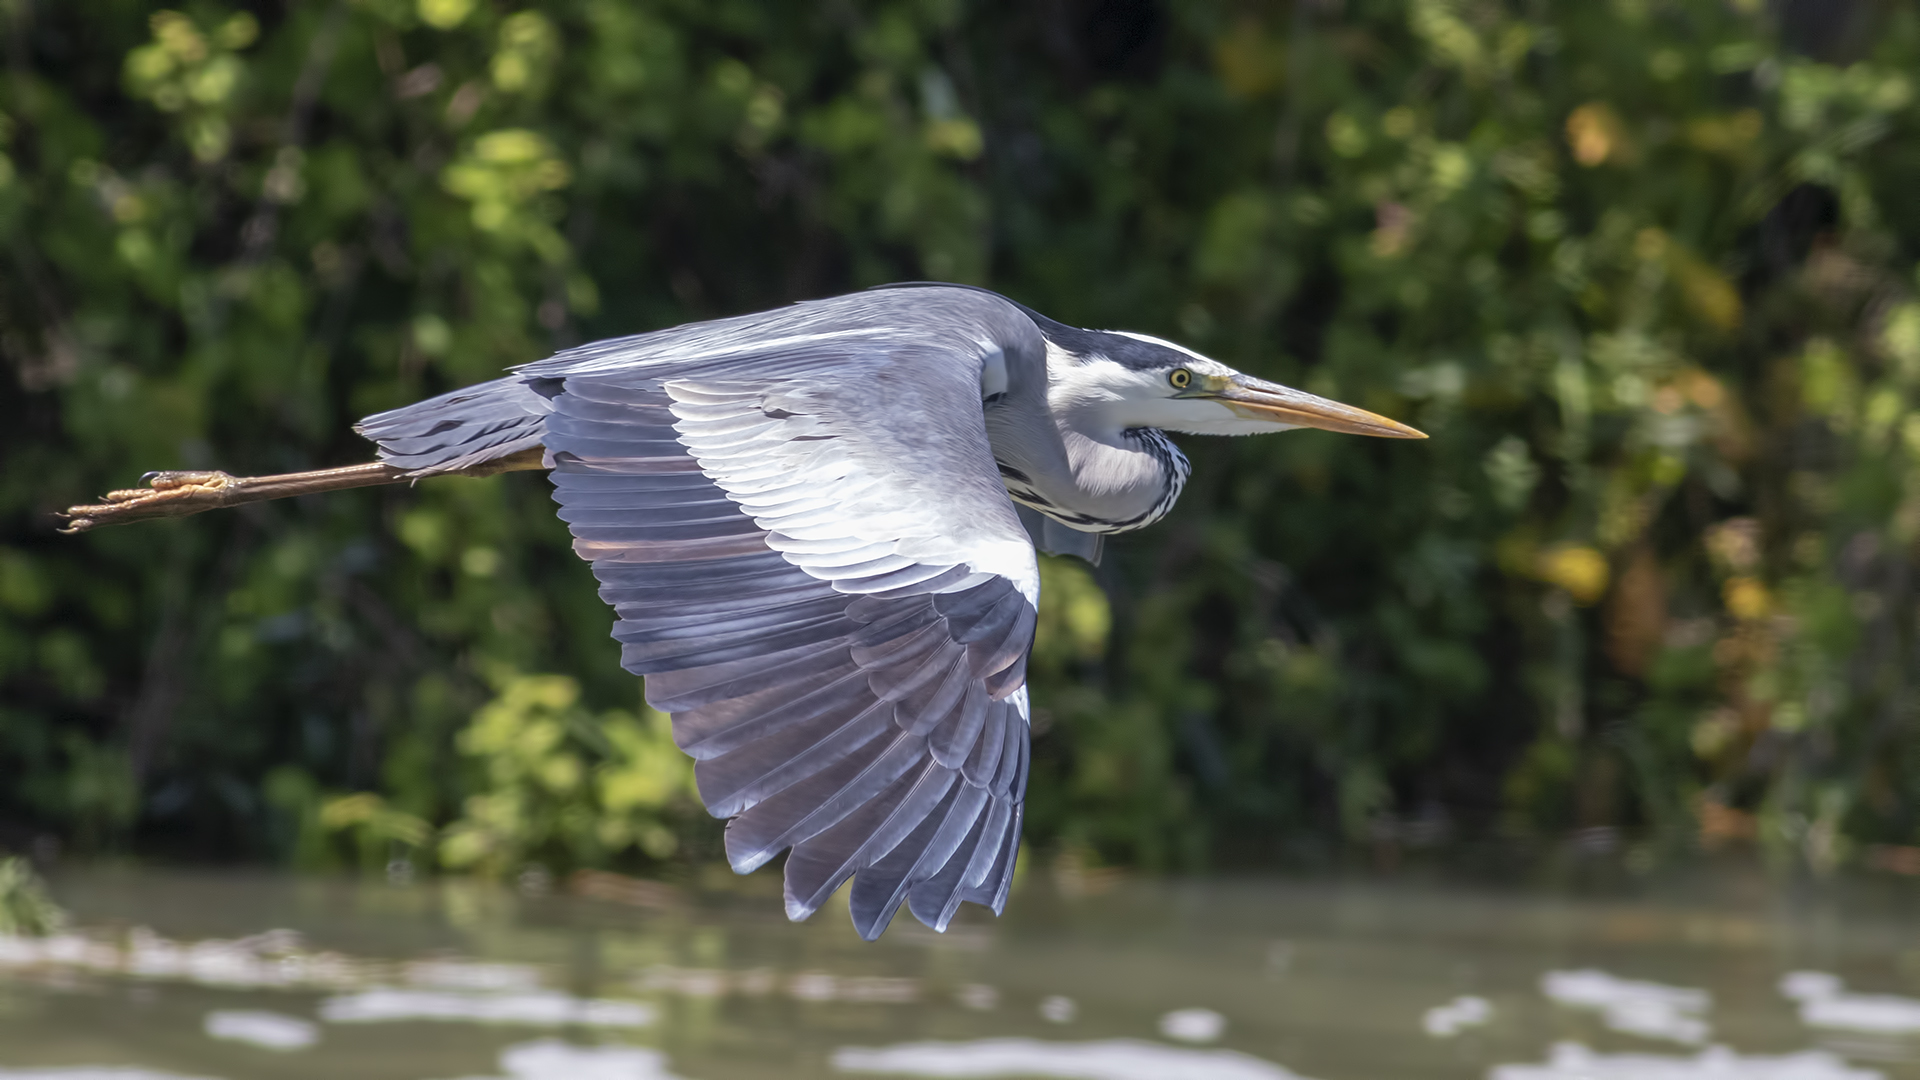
(167, 494)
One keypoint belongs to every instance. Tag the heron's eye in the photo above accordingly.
(1180, 378)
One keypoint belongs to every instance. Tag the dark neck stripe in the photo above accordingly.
(1174, 470)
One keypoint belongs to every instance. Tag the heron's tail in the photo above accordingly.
(462, 429)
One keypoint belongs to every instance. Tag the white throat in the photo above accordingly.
(1104, 474)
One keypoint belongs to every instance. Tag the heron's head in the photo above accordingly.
(1136, 381)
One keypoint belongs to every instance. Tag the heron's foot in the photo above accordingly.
(167, 494)
(177, 494)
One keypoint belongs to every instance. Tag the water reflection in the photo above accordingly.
(551, 1059)
(274, 959)
(1113, 1059)
(1825, 1003)
(1193, 1025)
(1647, 1009)
(542, 1009)
(267, 1030)
(1571, 1061)
(470, 975)
(1463, 1012)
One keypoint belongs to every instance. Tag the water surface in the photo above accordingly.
(1724, 973)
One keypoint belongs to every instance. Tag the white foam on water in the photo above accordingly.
(1825, 1003)
(1193, 1025)
(1810, 985)
(551, 1059)
(1058, 1010)
(57, 950)
(472, 975)
(1446, 1021)
(267, 1030)
(539, 1009)
(276, 958)
(1109, 1059)
(1572, 1061)
(1648, 1009)
(1880, 1013)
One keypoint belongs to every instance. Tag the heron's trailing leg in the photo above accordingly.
(177, 494)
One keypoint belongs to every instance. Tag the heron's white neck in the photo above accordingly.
(1093, 474)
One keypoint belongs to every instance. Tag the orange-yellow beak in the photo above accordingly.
(1258, 399)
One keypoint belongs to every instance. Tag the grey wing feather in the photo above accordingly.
(814, 563)
(464, 428)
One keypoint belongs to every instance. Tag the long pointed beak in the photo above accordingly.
(1258, 399)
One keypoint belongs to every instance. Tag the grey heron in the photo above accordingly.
(817, 528)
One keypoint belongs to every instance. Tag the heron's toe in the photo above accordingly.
(173, 480)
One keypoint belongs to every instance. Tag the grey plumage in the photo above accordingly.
(805, 521)
(462, 429)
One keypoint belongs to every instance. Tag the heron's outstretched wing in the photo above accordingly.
(815, 565)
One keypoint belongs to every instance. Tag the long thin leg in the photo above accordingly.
(178, 494)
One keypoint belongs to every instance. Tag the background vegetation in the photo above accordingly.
(1645, 269)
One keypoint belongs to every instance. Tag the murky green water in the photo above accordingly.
(236, 976)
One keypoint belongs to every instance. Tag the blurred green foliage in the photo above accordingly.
(25, 908)
(544, 802)
(1645, 269)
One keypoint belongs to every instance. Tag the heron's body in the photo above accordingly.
(805, 521)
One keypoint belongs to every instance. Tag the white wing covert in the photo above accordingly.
(816, 567)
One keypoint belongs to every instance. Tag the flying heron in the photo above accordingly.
(817, 528)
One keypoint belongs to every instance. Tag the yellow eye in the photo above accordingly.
(1180, 378)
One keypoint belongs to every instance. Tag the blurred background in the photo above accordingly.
(1645, 270)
